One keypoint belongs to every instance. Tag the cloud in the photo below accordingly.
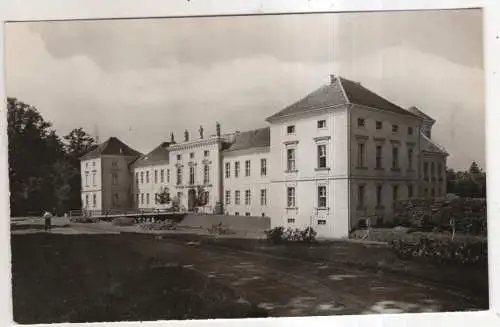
(149, 94)
(142, 43)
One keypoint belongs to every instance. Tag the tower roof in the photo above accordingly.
(113, 146)
(340, 91)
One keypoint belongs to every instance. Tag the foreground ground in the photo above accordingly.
(93, 277)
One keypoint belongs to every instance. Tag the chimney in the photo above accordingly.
(332, 78)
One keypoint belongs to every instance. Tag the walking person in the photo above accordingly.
(48, 223)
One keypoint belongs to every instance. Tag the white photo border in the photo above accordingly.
(34, 10)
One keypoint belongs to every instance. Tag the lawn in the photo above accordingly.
(87, 278)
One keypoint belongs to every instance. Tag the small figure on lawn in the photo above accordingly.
(48, 221)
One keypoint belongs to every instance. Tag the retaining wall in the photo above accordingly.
(236, 223)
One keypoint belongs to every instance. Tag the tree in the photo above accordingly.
(468, 183)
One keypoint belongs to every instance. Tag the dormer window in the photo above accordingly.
(290, 129)
(322, 123)
(395, 128)
(361, 122)
(378, 125)
(191, 155)
(178, 157)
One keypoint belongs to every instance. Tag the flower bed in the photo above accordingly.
(467, 214)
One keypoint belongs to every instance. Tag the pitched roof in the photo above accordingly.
(113, 146)
(250, 139)
(340, 91)
(420, 113)
(428, 145)
(160, 154)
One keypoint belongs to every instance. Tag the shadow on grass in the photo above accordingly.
(90, 278)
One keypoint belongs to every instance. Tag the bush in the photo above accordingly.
(469, 214)
(279, 234)
(464, 252)
(159, 225)
(220, 229)
(124, 221)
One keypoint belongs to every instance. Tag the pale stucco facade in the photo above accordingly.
(336, 156)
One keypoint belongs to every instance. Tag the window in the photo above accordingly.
(378, 125)
(439, 191)
(290, 197)
(322, 156)
(395, 194)
(410, 130)
(237, 197)
(236, 213)
(142, 198)
(247, 167)
(162, 176)
(410, 159)
(378, 157)
(137, 199)
(115, 199)
(94, 200)
(290, 159)
(156, 198)
(440, 172)
(236, 169)
(93, 163)
(86, 165)
(361, 122)
(290, 129)
(410, 191)
(321, 196)
(114, 178)
(426, 170)
(114, 164)
(179, 176)
(191, 155)
(379, 196)
(147, 177)
(206, 197)
(263, 167)
(168, 175)
(191, 175)
(263, 214)
(247, 214)
(321, 123)
(86, 200)
(228, 170)
(361, 196)
(290, 220)
(263, 197)
(361, 155)
(136, 178)
(321, 222)
(206, 174)
(228, 197)
(206, 153)
(147, 198)
(433, 192)
(142, 177)
(432, 172)
(86, 178)
(179, 195)
(156, 176)
(395, 128)
(395, 157)
(93, 178)
(179, 157)
(426, 192)
(247, 197)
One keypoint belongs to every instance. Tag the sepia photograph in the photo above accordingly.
(250, 166)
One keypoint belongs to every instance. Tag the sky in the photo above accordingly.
(140, 80)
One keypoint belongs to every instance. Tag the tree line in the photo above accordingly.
(44, 168)
(469, 183)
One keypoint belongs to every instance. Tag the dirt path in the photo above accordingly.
(289, 287)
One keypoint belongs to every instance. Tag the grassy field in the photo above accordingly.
(91, 278)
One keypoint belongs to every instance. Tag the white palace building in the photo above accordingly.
(339, 154)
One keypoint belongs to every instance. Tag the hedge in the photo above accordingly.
(466, 251)
(469, 214)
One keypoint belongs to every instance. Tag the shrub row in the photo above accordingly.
(159, 225)
(280, 234)
(465, 251)
(468, 215)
